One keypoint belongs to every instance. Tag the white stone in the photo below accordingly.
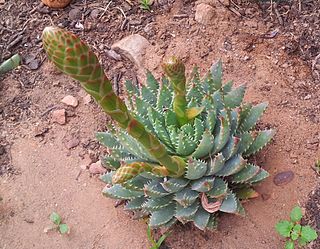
(87, 99)
(70, 101)
(59, 116)
(204, 13)
(132, 47)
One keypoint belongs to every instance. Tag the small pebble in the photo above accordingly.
(95, 13)
(283, 178)
(83, 167)
(73, 142)
(33, 65)
(79, 25)
(31, 61)
(246, 58)
(96, 168)
(59, 116)
(70, 101)
(87, 99)
(75, 14)
(40, 130)
(204, 13)
(307, 97)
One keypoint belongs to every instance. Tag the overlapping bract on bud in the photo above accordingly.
(175, 71)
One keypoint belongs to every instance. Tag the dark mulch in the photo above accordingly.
(298, 20)
(312, 216)
(303, 27)
(5, 159)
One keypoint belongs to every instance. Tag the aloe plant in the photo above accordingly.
(178, 150)
(294, 232)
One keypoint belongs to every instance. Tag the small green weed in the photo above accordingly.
(57, 224)
(317, 167)
(145, 4)
(156, 244)
(294, 231)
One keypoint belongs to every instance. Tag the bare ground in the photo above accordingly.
(45, 171)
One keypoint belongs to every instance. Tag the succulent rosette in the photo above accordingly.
(178, 149)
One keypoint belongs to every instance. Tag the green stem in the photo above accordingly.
(10, 64)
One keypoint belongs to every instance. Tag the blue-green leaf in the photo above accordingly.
(234, 97)
(216, 73)
(251, 118)
(162, 216)
(259, 142)
(195, 169)
(201, 218)
(119, 192)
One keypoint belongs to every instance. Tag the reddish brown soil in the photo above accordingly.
(46, 172)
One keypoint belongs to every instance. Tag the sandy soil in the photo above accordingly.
(45, 178)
